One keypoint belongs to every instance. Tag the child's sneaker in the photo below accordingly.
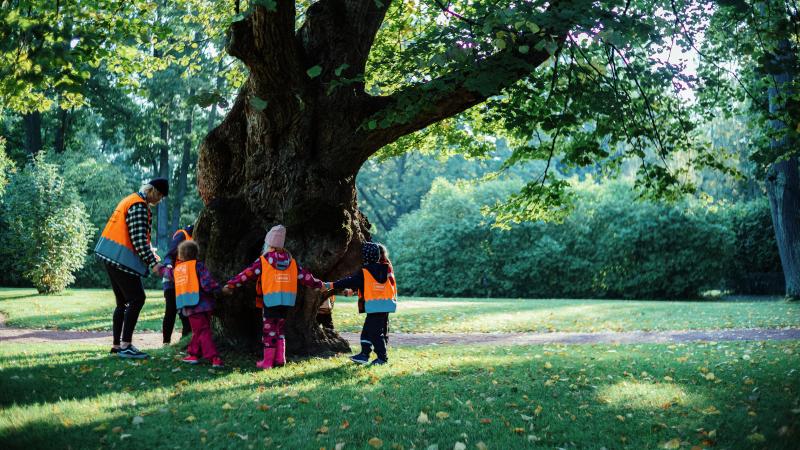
(360, 358)
(191, 359)
(132, 352)
(378, 362)
(217, 363)
(114, 350)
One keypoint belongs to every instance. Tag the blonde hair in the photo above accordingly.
(147, 189)
(188, 250)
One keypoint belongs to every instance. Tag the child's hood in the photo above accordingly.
(379, 271)
(279, 260)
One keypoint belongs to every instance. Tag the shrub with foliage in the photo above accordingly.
(46, 229)
(755, 263)
(612, 245)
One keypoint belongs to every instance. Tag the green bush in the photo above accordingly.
(45, 227)
(756, 263)
(612, 245)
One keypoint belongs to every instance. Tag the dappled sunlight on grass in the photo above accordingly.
(646, 395)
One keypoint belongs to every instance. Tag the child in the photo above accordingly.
(194, 291)
(378, 295)
(170, 308)
(276, 274)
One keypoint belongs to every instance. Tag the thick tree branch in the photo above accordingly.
(421, 105)
(264, 40)
(338, 32)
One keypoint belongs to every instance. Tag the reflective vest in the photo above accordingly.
(379, 297)
(278, 287)
(187, 286)
(186, 236)
(115, 241)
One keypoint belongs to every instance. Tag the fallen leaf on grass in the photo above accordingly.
(190, 418)
(227, 406)
(339, 446)
(538, 410)
(323, 430)
(519, 430)
(116, 430)
(621, 418)
(124, 436)
(263, 407)
(756, 437)
(138, 420)
(423, 418)
(303, 400)
(481, 446)
(375, 442)
(101, 427)
(345, 425)
(486, 420)
(442, 415)
(460, 446)
(672, 444)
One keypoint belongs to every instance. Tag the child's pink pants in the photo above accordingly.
(202, 343)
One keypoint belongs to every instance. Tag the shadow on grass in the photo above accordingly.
(584, 397)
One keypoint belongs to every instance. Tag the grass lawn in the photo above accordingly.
(736, 395)
(90, 309)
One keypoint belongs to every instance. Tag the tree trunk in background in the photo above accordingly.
(783, 188)
(290, 147)
(33, 132)
(783, 182)
(162, 212)
(180, 188)
(60, 140)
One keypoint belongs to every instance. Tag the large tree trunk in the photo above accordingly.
(783, 181)
(289, 149)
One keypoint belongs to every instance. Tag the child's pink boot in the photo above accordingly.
(269, 356)
(280, 350)
(280, 353)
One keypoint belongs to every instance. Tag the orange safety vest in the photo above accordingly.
(379, 297)
(115, 241)
(278, 287)
(187, 286)
(186, 236)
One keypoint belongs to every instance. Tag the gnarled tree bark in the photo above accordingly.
(295, 162)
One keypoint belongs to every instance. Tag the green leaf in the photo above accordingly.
(258, 103)
(372, 124)
(524, 49)
(314, 71)
(341, 69)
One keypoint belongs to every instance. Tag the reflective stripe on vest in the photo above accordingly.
(187, 286)
(278, 287)
(186, 236)
(115, 241)
(379, 297)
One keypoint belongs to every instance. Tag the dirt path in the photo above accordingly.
(151, 339)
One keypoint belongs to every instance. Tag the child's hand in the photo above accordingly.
(226, 291)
